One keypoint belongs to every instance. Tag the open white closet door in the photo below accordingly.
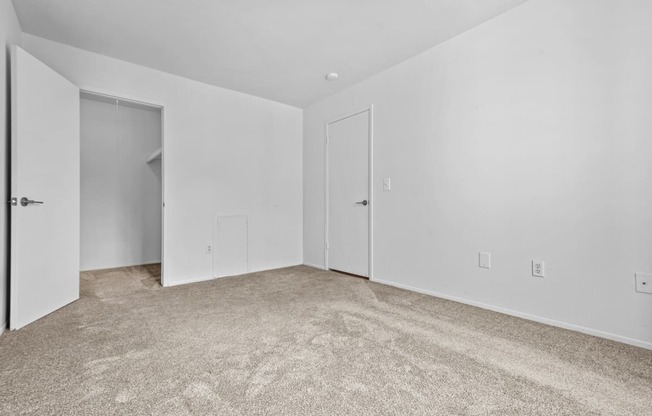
(44, 264)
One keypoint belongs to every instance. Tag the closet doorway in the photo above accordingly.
(121, 187)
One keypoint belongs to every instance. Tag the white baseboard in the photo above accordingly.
(120, 267)
(187, 281)
(277, 267)
(314, 265)
(3, 327)
(552, 322)
(204, 279)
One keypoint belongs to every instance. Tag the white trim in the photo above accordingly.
(151, 103)
(326, 198)
(206, 279)
(2, 328)
(372, 201)
(315, 266)
(269, 269)
(370, 191)
(551, 322)
(147, 263)
(119, 95)
(188, 281)
(163, 193)
(13, 253)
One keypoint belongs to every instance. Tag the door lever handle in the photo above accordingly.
(363, 203)
(24, 201)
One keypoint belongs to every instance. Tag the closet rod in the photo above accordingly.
(113, 97)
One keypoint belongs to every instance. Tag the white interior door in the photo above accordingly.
(348, 194)
(45, 162)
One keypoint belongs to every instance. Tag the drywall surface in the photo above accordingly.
(225, 153)
(275, 49)
(10, 34)
(528, 137)
(121, 194)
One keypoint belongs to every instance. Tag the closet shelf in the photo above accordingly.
(155, 156)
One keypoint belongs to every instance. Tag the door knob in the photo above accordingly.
(363, 203)
(24, 201)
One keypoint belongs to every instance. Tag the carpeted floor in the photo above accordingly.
(301, 341)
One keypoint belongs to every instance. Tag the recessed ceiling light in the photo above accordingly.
(332, 76)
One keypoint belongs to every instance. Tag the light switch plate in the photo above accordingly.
(485, 260)
(387, 184)
(643, 282)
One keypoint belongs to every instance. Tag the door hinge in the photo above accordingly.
(13, 202)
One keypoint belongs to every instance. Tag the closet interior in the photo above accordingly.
(121, 185)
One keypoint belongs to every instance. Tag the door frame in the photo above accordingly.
(150, 103)
(370, 110)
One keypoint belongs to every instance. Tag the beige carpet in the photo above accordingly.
(301, 341)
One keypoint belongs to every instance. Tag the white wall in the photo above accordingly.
(224, 152)
(10, 34)
(529, 137)
(121, 195)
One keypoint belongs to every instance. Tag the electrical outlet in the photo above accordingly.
(209, 248)
(643, 282)
(387, 184)
(485, 260)
(538, 268)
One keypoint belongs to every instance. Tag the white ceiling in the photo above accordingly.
(276, 49)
